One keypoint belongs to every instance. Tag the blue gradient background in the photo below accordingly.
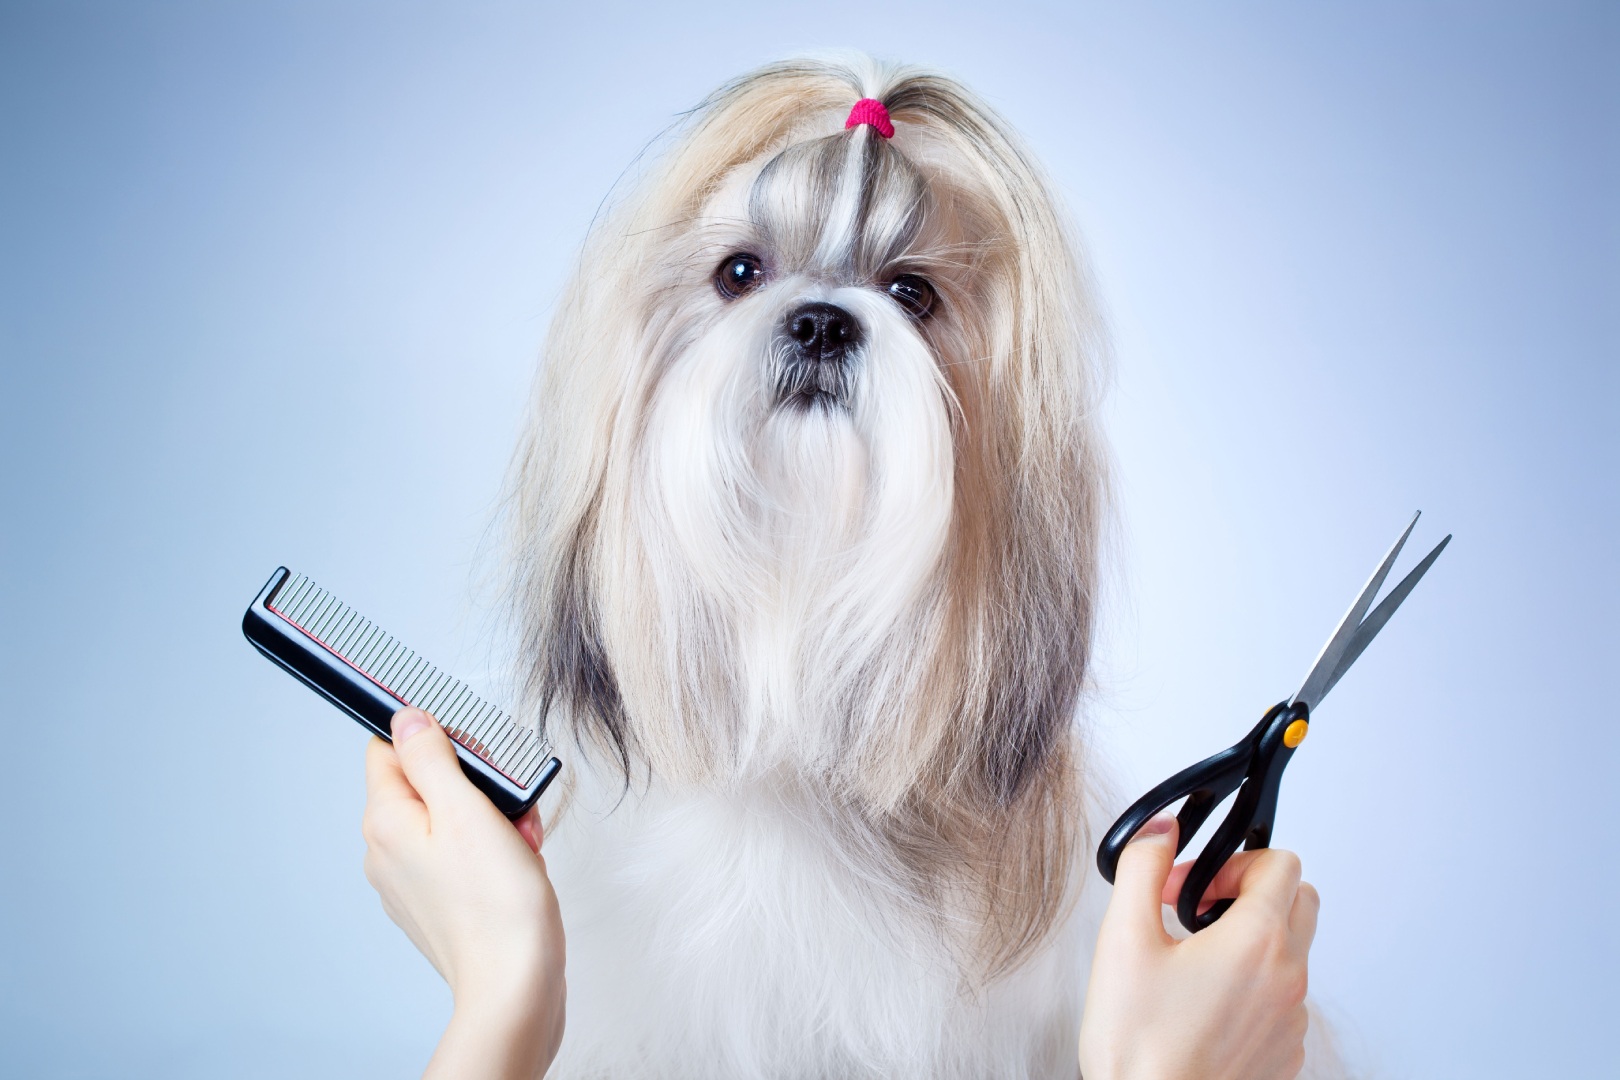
(271, 285)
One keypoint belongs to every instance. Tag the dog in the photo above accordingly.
(805, 532)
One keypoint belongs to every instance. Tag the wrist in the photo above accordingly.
(500, 973)
(495, 1014)
(511, 996)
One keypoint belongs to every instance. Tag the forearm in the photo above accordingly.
(484, 1042)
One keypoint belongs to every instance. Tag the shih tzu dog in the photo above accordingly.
(806, 528)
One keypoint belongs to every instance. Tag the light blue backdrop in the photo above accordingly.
(271, 283)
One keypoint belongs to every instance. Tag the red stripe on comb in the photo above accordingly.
(871, 111)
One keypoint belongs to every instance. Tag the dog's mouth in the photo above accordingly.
(807, 385)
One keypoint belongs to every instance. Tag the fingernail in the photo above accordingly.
(1156, 826)
(408, 722)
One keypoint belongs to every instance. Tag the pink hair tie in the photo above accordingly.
(871, 111)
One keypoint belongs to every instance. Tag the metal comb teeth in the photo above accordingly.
(516, 751)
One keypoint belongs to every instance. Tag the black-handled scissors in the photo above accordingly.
(1254, 767)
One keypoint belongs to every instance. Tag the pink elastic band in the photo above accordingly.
(871, 111)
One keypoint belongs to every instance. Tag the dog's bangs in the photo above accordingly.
(849, 204)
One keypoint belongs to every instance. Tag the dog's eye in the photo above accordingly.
(740, 273)
(914, 294)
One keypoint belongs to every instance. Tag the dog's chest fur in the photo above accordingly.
(722, 936)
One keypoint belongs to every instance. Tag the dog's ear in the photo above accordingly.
(1038, 657)
(1023, 580)
(574, 672)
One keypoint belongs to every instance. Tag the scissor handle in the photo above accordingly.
(1254, 812)
(1203, 785)
(1254, 764)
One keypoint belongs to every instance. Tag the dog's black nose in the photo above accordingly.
(823, 331)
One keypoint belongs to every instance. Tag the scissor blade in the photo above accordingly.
(1380, 615)
(1327, 661)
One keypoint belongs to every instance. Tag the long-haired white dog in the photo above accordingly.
(807, 526)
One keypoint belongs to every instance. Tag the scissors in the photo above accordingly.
(1254, 766)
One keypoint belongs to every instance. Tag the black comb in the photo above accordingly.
(356, 666)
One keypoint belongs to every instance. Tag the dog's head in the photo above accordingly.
(812, 482)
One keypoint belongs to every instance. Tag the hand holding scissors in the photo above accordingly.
(1254, 766)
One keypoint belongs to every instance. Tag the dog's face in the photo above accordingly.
(810, 236)
(822, 257)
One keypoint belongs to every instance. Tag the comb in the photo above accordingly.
(350, 661)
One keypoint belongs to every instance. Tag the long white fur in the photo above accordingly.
(729, 935)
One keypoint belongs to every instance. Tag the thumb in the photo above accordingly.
(1139, 879)
(427, 758)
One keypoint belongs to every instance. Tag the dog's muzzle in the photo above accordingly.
(818, 342)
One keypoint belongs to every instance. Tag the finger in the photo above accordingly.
(1139, 879)
(393, 808)
(1223, 887)
(1269, 883)
(385, 778)
(1302, 919)
(429, 761)
(528, 826)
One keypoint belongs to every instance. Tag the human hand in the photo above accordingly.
(1227, 1003)
(470, 891)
